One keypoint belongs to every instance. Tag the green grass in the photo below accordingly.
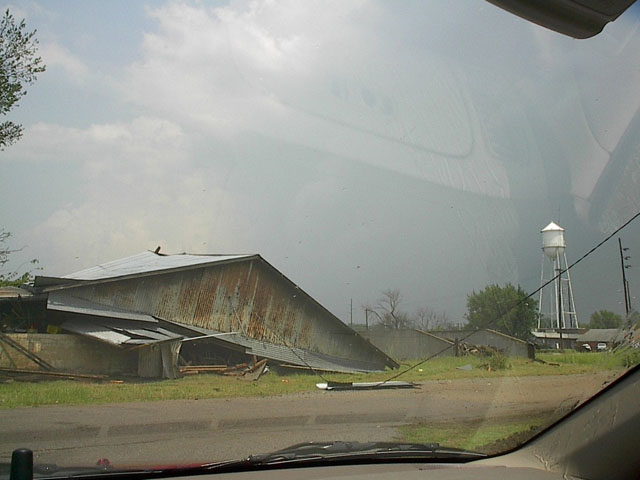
(17, 394)
(623, 358)
(488, 435)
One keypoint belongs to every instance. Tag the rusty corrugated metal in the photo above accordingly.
(249, 296)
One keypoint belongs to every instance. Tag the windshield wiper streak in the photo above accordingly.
(340, 450)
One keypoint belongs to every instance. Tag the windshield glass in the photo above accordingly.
(225, 224)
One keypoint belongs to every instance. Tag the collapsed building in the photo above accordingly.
(147, 314)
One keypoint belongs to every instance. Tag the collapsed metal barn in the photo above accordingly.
(203, 309)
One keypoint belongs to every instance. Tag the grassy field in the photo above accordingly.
(19, 394)
(487, 436)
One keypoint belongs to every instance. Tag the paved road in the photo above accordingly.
(203, 430)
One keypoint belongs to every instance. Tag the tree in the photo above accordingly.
(19, 66)
(505, 309)
(389, 313)
(11, 278)
(605, 319)
(428, 319)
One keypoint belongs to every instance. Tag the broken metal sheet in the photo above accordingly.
(116, 331)
(148, 262)
(64, 302)
(281, 354)
(300, 357)
(95, 331)
(146, 333)
(364, 385)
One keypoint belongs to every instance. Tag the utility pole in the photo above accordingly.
(559, 306)
(366, 312)
(351, 312)
(625, 283)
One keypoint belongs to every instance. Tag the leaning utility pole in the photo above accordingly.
(625, 283)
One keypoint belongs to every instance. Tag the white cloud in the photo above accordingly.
(140, 190)
(55, 55)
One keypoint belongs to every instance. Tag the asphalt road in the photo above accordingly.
(176, 431)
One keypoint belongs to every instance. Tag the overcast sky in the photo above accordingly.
(357, 146)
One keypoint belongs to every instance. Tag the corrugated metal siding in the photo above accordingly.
(249, 297)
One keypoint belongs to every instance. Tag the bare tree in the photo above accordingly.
(389, 312)
(428, 319)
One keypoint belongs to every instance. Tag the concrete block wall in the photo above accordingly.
(408, 344)
(69, 353)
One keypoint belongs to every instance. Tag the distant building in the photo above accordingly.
(152, 311)
(595, 337)
(408, 344)
(557, 338)
(411, 344)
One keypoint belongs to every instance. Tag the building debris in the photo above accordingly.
(365, 385)
(477, 350)
(245, 371)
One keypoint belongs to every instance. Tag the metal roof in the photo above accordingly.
(62, 301)
(148, 262)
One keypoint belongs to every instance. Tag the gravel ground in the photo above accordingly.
(204, 430)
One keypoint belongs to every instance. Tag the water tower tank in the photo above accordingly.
(553, 240)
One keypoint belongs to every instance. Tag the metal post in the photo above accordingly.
(571, 302)
(559, 300)
(541, 302)
(559, 316)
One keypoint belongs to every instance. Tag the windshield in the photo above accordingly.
(232, 227)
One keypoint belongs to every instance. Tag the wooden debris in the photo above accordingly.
(66, 375)
(463, 348)
(246, 371)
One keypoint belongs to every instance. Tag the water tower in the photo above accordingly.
(557, 308)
